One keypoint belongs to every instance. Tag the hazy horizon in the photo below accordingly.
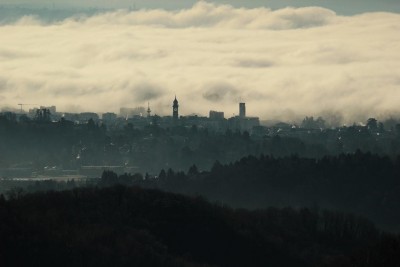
(343, 7)
(285, 63)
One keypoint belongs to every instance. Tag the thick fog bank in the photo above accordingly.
(285, 64)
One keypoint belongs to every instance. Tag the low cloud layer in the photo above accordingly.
(284, 64)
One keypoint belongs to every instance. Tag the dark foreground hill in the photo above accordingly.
(129, 226)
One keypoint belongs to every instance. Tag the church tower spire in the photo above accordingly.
(175, 107)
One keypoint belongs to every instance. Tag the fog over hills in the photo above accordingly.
(285, 63)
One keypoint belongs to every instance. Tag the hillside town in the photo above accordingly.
(44, 144)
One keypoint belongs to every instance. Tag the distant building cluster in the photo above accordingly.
(141, 117)
(216, 120)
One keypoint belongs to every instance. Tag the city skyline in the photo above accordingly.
(130, 111)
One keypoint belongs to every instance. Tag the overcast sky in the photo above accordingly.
(285, 63)
(339, 6)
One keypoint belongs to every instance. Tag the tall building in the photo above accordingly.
(242, 110)
(52, 109)
(175, 108)
(216, 115)
(43, 114)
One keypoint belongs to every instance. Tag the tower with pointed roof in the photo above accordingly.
(175, 108)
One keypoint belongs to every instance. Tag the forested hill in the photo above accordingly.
(362, 183)
(129, 226)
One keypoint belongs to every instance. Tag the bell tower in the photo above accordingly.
(175, 108)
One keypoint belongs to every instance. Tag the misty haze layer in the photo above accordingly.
(284, 64)
(347, 7)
